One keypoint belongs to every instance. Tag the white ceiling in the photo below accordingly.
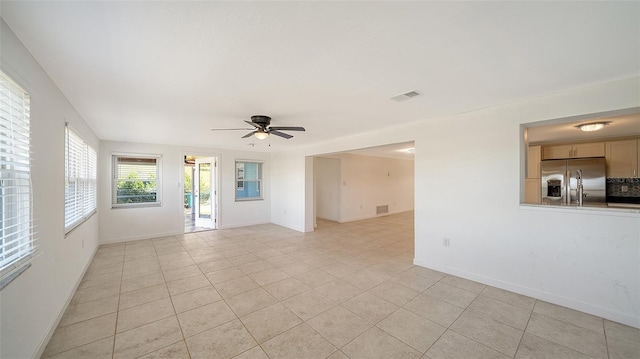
(619, 126)
(167, 72)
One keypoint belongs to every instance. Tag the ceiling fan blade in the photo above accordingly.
(278, 133)
(231, 129)
(252, 124)
(249, 134)
(287, 128)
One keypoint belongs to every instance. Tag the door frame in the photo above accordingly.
(216, 178)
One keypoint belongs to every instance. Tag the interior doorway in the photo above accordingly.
(200, 193)
(363, 184)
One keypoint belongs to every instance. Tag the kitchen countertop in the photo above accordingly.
(604, 208)
(624, 205)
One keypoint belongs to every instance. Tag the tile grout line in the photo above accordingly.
(606, 339)
(226, 303)
(115, 328)
(449, 326)
(172, 305)
(525, 328)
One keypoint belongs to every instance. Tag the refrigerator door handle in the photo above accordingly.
(567, 188)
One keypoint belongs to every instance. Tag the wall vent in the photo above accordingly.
(405, 96)
(382, 209)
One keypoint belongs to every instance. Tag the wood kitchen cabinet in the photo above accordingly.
(533, 161)
(532, 191)
(622, 158)
(578, 150)
(532, 186)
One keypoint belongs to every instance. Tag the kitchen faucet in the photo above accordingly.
(580, 188)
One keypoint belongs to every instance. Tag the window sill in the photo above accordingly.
(136, 205)
(249, 199)
(71, 228)
(18, 268)
(600, 210)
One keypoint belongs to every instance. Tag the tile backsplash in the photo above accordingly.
(614, 187)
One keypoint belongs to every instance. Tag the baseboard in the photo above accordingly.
(54, 326)
(282, 224)
(609, 314)
(238, 225)
(136, 238)
(353, 219)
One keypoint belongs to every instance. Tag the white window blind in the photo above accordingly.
(135, 180)
(16, 233)
(81, 180)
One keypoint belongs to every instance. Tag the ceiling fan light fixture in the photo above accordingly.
(261, 135)
(593, 126)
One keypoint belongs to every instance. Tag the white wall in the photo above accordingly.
(587, 260)
(32, 304)
(467, 188)
(368, 182)
(290, 190)
(327, 184)
(121, 224)
(349, 187)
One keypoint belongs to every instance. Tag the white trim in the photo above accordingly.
(140, 237)
(247, 224)
(596, 211)
(158, 180)
(260, 180)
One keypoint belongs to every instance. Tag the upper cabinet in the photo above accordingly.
(556, 151)
(578, 150)
(622, 158)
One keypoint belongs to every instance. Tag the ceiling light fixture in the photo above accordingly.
(260, 134)
(593, 126)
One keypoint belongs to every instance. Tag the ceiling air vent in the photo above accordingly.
(405, 96)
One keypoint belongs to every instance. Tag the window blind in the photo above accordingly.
(16, 232)
(81, 180)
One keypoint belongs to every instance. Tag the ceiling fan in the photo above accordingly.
(262, 129)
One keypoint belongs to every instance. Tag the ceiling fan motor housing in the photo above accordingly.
(261, 120)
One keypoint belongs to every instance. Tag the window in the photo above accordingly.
(248, 180)
(135, 180)
(16, 232)
(81, 180)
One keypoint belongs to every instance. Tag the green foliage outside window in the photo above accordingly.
(133, 190)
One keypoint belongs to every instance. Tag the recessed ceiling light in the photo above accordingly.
(592, 126)
(405, 96)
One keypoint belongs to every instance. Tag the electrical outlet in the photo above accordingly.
(624, 189)
(446, 242)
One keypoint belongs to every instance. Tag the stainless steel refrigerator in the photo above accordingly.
(560, 183)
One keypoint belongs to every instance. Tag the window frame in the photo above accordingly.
(115, 180)
(241, 181)
(15, 169)
(88, 180)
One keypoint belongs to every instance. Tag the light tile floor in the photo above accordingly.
(345, 291)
